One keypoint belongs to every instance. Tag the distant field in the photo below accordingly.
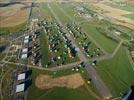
(71, 12)
(45, 12)
(13, 15)
(59, 13)
(123, 6)
(117, 72)
(12, 29)
(131, 16)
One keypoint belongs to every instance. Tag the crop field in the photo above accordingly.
(117, 72)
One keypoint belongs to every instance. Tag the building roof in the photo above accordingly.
(25, 50)
(27, 37)
(21, 76)
(20, 88)
(24, 56)
(26, 40)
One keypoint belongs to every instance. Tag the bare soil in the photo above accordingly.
(70, 81)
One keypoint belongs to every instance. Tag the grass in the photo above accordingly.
(67, 94)
(127, 7)
(131, 16)
(8, 30)
(44, 48)
(106, 43)
(58, 93)
(71, 12)
(59, 13)
(45, 12)
(117, 72)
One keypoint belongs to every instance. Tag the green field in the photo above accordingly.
(69, 10)
(59, 93)
(45, 12)
(8, 30)
(117, 72)
(131, 16)
(59, 14)
(104, 42)
(123, 6)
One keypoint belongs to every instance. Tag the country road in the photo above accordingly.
(101, 87)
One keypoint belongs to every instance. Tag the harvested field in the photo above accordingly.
(13, 15)
(70, 81)
(116, 14)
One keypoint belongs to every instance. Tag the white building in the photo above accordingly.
(26, 37)
(26, 41)
(20, 88)
(25, 50)
(21, 76)
(23, 56)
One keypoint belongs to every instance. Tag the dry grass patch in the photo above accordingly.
(13, 15)
(70, 81)
(116, 13)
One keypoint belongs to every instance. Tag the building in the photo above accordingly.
(25, 50)
(20, 88)
(21, 76)
(24, 56)
(26, 37)
(26, 41)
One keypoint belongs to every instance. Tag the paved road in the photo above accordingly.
(90, 70)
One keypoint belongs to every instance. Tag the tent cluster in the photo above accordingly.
(59, 44)
(35, 48)
(86, 45)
